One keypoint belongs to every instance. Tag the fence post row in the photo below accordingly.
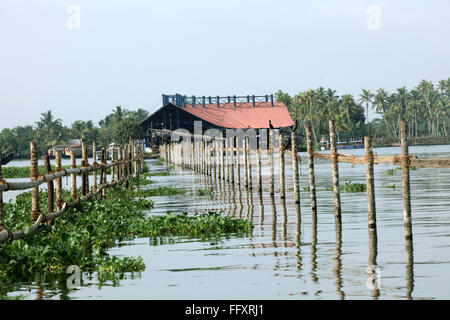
(56, 187)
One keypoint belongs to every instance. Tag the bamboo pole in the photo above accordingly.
(312, 178)
(232, 163)
(335, 171)
(247, 164)
(73, 177)
(94, 157)
(130, 158)
(238, 163)
(227, 163)
(102, 171)
(370, 182)
(84, 176)
(405, 181)
(282, 168)
(272, 163)
(258, 170)
(295, 159)
(222, 159)
(50, 188)
(35, 211)
(218, 160)
(58, 183)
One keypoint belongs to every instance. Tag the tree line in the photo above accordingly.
(426, 108)
(118, 127)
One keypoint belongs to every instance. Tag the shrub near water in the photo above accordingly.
(82, 235)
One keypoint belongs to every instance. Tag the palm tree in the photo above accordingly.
(49, 129)
(310, 96)
(366, 97)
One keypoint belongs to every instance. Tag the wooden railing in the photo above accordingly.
(129, 163)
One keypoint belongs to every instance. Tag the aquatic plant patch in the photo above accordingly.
(83, 234)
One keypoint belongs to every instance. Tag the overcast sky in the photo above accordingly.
(82, 58)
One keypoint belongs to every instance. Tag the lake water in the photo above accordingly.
(287, 257)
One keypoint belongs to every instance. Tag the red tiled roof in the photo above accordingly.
(244, 115)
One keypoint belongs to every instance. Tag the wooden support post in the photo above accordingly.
(58, 181)
(218, 160)
(130, 159)
(245, 163)
(119, 163)
(258, 170)
(222, 159)
(335, 172)
(272, 164)
(295, 159)
(370, 183)
(35, 211)
(84, 176)
(113, 158)
(282, 167)
(50, 188)
(312, 178)
(94, 173)
(227, 164)
(102, 164)
(249, 163)
(232, 163)
(192, 166)
(73, 177)
(135, 159)
(406, 189)
(238, 163)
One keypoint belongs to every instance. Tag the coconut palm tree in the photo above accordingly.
(366, 97)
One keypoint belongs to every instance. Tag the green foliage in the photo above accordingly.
(82, 235)
(118, 127)
(159, 191)
(205, 192)
(350, 187)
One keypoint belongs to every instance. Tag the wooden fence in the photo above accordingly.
(129, 163)
(222, 159)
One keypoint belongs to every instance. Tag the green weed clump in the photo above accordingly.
(160, 191)
(350, 187)
(205, 192)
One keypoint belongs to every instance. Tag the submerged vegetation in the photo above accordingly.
(350, 187)
(205, 192)
(83, 234)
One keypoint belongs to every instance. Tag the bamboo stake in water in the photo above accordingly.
(370, 182)
(258, 170)
(94, 156)
(73, 177)
(50, 188)
(406, 189)
(272, 164)
(58, 182)
(238, 163)
(312, 179)
(282, 174)
(295, 159)
(35, 211)
(335, 171)
(84, 176)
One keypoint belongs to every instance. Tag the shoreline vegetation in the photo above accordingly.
(83, 234)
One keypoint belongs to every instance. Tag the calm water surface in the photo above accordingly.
(291, 255)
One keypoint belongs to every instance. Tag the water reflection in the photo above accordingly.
(314, 277)
(337, 259)
(409, 268)
(373, 282)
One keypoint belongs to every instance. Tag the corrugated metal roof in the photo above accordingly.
(244, 115)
